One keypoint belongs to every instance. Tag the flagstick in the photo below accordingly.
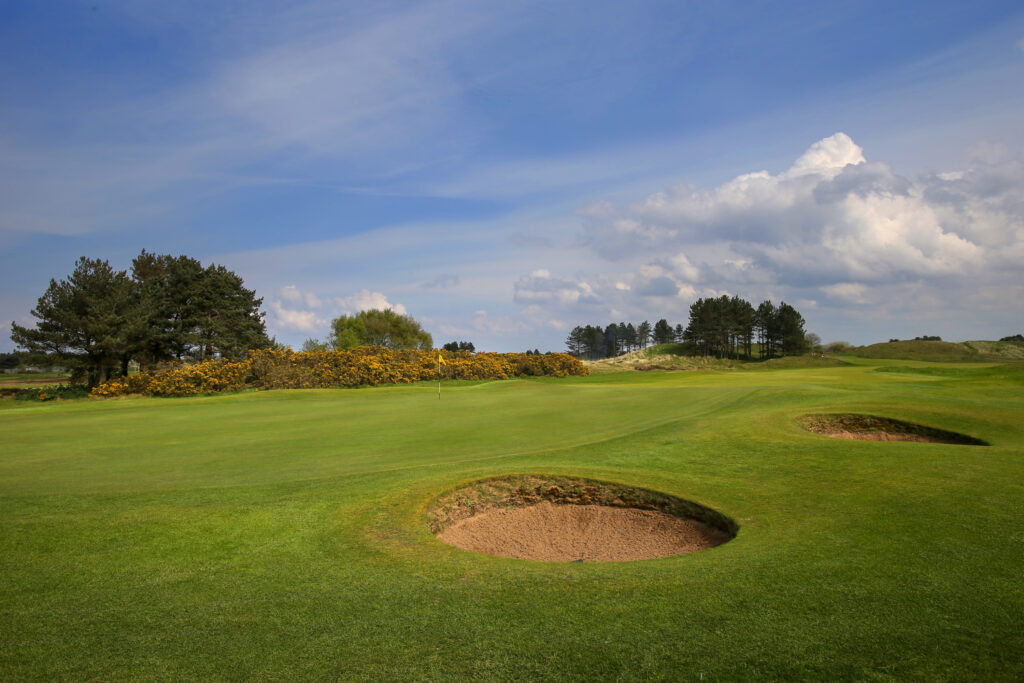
(439, 377)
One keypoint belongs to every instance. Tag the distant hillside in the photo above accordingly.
(915, 349)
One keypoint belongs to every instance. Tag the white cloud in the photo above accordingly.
(834, 232)
(352, 89)
(365, 300)
(295, 320)
(293, 295)
(850, 292)
(831, 217)
(540, 287)
(827, 157)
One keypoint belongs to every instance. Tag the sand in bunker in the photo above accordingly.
(594, 533)
(879, 436)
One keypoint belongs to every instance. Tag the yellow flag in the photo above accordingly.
(440, 360)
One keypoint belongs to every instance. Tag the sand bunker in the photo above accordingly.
(592, 533)
(561, 519)
(874, 428)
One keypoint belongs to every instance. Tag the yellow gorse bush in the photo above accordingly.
(366, 365)
(208, 377)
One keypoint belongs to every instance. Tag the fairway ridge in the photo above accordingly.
(874, 428)
(562, 519)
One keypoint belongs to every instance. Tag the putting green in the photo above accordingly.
(285, 534)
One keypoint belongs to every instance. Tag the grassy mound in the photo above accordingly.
(1006, 373)
(945, 352)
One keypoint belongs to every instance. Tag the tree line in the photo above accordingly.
(726, 327)
(614, 339)
(99, 320)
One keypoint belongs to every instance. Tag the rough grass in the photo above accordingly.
(17, 379)
(996, 350)
(659, 357)
(984, 351)
(284, 535)
(677, 357)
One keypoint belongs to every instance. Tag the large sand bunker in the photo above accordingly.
(874, 428)
(562, 519)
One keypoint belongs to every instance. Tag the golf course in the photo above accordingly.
(286, 534)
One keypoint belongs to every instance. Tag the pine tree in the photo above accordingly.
(83, 322)
(99, 320)
(643, 334)
(574, 342)
(663, 332)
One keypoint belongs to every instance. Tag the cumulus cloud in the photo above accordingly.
(653, 290)
(289, 319)
(294, 310)
(827, 157)
(842, 236)
(851, 292)
(291, 294)
(658, 286)
(365, 300)
(540, 287)
(831, 217)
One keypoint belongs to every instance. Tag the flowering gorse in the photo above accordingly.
(366, 365)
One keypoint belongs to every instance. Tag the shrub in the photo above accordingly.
(51, 393)
(363, 366)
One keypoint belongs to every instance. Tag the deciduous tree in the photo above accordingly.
(378, 328)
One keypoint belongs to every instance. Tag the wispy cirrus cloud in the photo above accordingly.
(367, 96)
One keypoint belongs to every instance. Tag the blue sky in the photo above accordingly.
(505, 171)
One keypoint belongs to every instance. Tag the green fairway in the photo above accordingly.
(283, 535)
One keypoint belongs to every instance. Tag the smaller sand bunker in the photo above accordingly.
(561, 519)
(873, 428)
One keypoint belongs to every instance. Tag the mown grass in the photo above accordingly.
(283, 535)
